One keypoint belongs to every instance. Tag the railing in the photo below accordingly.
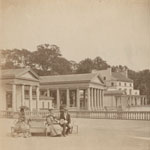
(123, 115)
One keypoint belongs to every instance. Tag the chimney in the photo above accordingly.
(109, 70)
(125, 73)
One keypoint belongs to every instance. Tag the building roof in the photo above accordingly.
(14, 73)
(68, 78)
(120, 77)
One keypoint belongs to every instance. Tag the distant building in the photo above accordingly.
(120, 90)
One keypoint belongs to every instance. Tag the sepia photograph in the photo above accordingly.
(75, 74)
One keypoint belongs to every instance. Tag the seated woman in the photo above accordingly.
(22, 125)
(52, 126)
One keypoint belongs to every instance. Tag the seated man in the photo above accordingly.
(65, 122)
(51, 124)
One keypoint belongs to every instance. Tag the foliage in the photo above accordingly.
(47, 60)
(87, 65)
(15, 58)
(43, 58)
(100, 64)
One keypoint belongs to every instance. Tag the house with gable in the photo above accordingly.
(120, 90)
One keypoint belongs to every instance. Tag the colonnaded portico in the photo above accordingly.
(24, 98)
(23, 87)
(20, 87)
(79, 91)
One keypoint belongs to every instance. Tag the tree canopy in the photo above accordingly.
(48, 60)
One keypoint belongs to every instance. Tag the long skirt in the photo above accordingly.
(21, 127)
(54, 129)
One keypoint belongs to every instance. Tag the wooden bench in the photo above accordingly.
(37, 126)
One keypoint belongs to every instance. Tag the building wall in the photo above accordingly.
(125, 86)
(135, 92)
(109, 101)
(2, 97)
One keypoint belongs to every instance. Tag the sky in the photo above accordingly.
(116, 30)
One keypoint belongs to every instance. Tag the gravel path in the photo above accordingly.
(94, 134)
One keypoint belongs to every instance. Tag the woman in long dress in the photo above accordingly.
(52, 125)
(22, 125)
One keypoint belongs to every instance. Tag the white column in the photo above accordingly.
(37, 98)
(30, 98)
(98, 107)
(91, 98)
(22, 95)
(14, 105)
(102, 97)
(94, 99)
(145, 100)
(88, 99)
(58, 99)
(78, 98)
(68, 98)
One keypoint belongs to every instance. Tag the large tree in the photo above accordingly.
(85, 66)
(100, 64)
(43, 58)
(15, 58)
(141, 81)
(61, 66)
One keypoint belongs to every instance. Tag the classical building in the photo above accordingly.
(20, 87)
(76, 91)
(120, 90)
(23, 87)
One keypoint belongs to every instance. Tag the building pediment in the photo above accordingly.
(28, 75)
(25, 73)
(97, 79)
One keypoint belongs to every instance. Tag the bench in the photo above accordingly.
(37, 126)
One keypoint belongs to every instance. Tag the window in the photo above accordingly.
(104, 78)
(34, 92)
(42, 104)
(130, 84)
(112, 83)
(119, 83)
(43, 92)
(26, 92)
(125, 90)
(48, 105)
(8, 100)
(130, 91)
(125, 84)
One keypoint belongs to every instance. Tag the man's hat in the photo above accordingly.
(50, 109)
